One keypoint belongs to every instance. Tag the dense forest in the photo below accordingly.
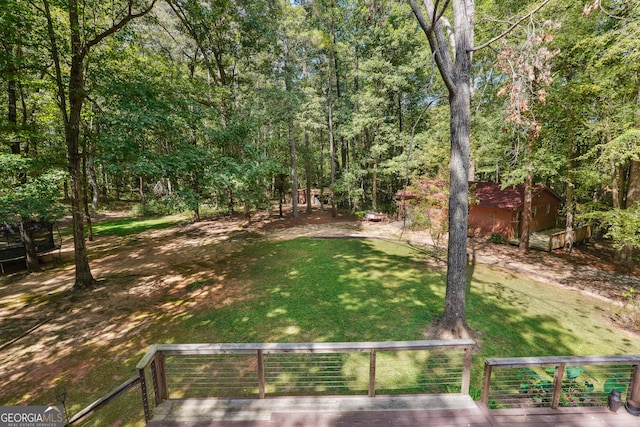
(181, 104)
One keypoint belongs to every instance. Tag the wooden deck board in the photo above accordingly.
(381, 411)
(569, 417)
(409, 418)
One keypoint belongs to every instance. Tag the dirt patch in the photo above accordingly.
(162, 274)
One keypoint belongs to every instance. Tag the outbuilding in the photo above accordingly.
(493, 209)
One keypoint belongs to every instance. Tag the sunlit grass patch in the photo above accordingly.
(341, 290)
(128, 226)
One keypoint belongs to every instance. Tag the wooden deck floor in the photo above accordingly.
(402, 411)
(427, 410)
(565, 417)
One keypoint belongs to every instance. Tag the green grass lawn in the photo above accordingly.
(127, 226)
(374, 290)
(325, 290)
(307, 290)
(311, 290)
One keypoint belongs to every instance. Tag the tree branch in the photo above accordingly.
(116, 27)
(182, 16)
(426, 26)
(510, 29)
(55, 53)
(437, 16)
(437, 42)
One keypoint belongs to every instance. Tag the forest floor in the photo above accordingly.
(41, 318)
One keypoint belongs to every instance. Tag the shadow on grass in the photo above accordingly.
(368, 290)
(365, 290)
(372, 290)
(298, 290)
(326, 290)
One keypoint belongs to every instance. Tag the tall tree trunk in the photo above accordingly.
(26, 228)
(143, 200)
(332, 67)
(332, 143)
(294, 170)
(71, 114)
(321, 173)
(84, 278)
(352, 147)
(87, 212)
(307, 146)
(569, 235)
(91, 168)
(526, 213)
(93, 182)
(118, 185)
(103, 187)
(570, 203)
(332, 158)
(195, 186)
(374, 186)
(454, 320)
(71, 119)
(12, 91)
(624, 255)
(292, 151)
(307, 143)
(344, 154)
(621, 255)
(231, 202)
(456, 73)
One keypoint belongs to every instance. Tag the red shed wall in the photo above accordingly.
(546, 211)
(486, 221)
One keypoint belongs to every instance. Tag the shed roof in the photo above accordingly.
(490, 194)
(486, 194)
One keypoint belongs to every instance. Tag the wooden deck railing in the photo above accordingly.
(255, 370)
(103, 401)
(559, 381)
(425, 367)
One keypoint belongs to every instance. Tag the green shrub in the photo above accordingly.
(497, 238)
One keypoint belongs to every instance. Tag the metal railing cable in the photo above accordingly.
(177, 371)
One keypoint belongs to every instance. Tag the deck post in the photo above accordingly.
(634, 386)
(372, 373)
(487, 382)
(557, 385)
(261, 392)
(145, 397)
(466, 371)
(161, 378)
